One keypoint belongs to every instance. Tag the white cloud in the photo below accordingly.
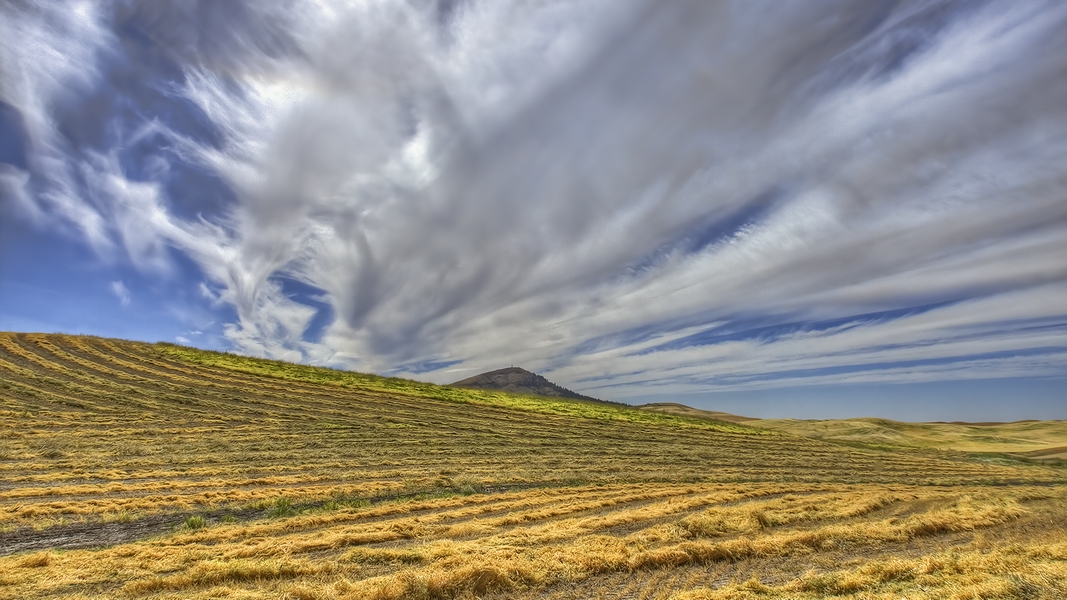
(49, 52)
(570, 185)
(121, 292)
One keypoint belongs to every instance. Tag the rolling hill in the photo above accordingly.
(134, 470)
(674, 408)
(1037, 440)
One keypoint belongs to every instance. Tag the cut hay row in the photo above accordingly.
(702, 540)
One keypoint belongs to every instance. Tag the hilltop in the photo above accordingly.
(674, 408)
(519, 381)
(161, 471)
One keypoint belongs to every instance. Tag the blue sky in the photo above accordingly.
(824, 208)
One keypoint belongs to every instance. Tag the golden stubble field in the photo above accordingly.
(132, 470)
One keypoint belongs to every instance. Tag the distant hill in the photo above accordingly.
(673, 408)
(520, 381)
(1039, 440)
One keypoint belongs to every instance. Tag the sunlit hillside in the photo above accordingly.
(132, 470)
(1039, 440)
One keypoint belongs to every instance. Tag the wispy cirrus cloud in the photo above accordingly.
(638, 197)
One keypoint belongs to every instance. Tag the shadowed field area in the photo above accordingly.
(154, 471)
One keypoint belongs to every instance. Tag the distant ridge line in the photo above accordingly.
(674, 408)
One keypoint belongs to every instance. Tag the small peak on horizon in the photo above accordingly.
(519, 381)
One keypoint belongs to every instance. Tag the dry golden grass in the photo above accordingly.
(131, 470)
(552, 540)
(1033, 571)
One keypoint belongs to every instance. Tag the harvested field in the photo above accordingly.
(133, 470)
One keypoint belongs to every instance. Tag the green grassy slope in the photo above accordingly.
(407, 387)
